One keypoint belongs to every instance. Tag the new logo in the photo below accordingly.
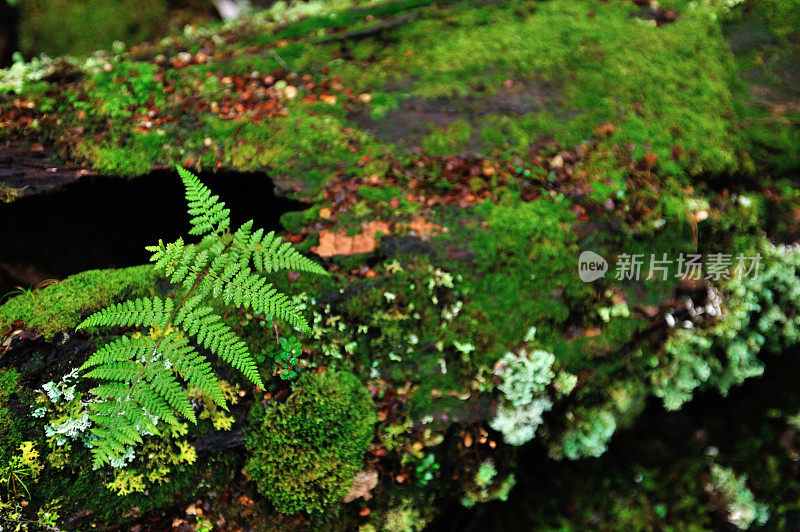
(591, 266)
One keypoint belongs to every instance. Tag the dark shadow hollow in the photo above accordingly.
(106, 222)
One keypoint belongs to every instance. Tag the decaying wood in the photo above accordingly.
(34, 169)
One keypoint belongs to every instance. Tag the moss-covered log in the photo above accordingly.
(457, 159)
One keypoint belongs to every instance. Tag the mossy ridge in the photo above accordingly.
(47, 27)
(61, 305)
(763, 38)
(681, 110)
(657, 100)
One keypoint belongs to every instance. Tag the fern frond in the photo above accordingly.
(209, 214)
(124, 348)
(148, 312)
(229, 279)
(144, 378)
(249, 290)
(117, 424)
(193, 367)
(179, 262)
(208, 329)
(122, 371)
(270, 253)
(165, 385)
(142, 387)
(113, 391)
(154, 404)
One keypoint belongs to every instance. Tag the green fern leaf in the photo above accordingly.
(149, 312)
(210, 332)
(210, 214)
(144, 378)
(270, 253)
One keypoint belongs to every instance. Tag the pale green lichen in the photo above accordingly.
(518, 424)
(740, 505)
(525, 375)
(586, 435)
(760, 312)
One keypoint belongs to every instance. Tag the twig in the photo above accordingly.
(278, 59)
(371, 30)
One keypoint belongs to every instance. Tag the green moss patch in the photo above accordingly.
(62, 305)
(306, 451)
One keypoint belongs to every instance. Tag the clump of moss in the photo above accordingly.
(306, 450)
(448, 139)
(60, 306)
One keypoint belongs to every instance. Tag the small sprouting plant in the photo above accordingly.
(145, 376)
(286, 355)
(27, 292)
(22, 467)
(426, 469)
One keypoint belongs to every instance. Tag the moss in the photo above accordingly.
(11, 426)
(674, 91)
(555, 68)
(74, 27)
(306, 451)
(523, 274)
(296, 221)
(62, 305)
(763, 38)
(782, 16)
(504, 74)
(448, 139)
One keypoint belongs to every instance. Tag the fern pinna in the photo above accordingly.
(145, 375)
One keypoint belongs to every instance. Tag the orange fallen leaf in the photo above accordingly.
(425, 229)
(605, 129)
(338, 243)
(650, 160)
